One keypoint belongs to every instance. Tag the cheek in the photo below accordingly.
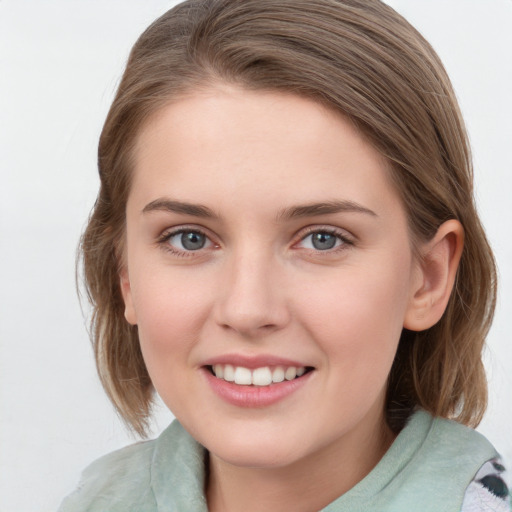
(167, 337)
(357, 319)
(169, 316)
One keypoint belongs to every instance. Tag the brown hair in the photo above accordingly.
(362, 59)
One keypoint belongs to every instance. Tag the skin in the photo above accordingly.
(260, 286)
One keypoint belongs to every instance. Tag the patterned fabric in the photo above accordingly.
(488, 491)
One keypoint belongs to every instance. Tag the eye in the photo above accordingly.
(186, 240)
(323, 240)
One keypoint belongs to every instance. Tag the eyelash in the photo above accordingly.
(346, 242)
(163, 241)
(341, 236)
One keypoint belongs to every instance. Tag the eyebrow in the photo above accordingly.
(169, 205)
(292, 212)
(323, 208)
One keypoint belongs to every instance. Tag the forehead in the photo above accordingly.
(218, 142)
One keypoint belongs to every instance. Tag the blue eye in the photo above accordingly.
(188, 240)
(322, 240)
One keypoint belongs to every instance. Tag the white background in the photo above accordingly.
(60, 61)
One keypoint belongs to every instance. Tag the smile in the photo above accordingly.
(263, 376)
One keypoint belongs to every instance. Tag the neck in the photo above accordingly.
(308, 484)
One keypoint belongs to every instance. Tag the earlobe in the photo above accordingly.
(126, 291)
(437, 271)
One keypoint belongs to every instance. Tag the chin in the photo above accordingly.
(255, 457)
(253, 451)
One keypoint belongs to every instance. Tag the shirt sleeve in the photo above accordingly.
(488, 491)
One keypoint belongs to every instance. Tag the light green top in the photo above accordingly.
(427, 468)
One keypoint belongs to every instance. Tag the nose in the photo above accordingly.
(252, 301)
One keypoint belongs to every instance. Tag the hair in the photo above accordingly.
(361, 59)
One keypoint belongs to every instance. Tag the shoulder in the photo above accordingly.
(464, 467)
(440, 443)
(488, 491)
(164, 474)
(462, 447)
(442, 459)
(119, 481)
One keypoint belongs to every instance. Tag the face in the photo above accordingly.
(269, 270)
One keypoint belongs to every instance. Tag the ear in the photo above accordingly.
(126, 291)
(437, 268)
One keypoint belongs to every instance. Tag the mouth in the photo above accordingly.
(260, 377)
(255, 382)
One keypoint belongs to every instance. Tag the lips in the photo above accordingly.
(258, 381)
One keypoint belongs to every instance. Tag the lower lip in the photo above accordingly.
(254, 396)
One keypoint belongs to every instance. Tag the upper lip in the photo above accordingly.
(253, 362)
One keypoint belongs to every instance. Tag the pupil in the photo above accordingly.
(323, 241)
(192, 241)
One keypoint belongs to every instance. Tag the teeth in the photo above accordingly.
(229, 373)
(278, 374)
(263, 376)
(290, 373)
(218, 370)
(243, 376)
